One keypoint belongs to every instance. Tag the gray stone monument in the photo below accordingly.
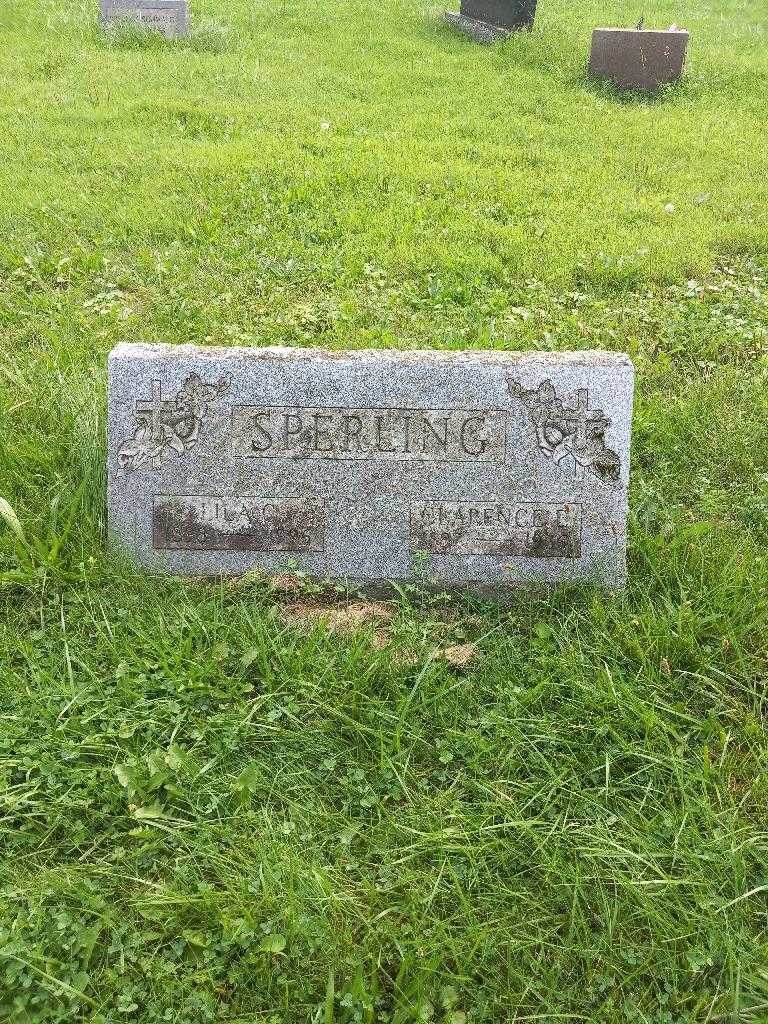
(467, 469)
(488, 20)
(169, 17)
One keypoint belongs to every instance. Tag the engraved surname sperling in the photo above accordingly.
(510, 529)
(194, 522)
(407, 435)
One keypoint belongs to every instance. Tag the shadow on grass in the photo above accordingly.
(203, 37)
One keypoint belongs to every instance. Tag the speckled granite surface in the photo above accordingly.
(478, 469)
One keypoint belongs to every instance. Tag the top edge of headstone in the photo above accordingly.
(137, 4)
(282, 353)
(644, 31)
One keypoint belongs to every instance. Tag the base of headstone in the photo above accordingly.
(638, 59)
(168, 17)
(479, 31)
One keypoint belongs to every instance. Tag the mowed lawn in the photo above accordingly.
(255, 802)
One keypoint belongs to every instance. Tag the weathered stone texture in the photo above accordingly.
(641, 59)
(478, 469)
(169, 17)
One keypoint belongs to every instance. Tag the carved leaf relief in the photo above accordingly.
(167, 428)
(572, 435)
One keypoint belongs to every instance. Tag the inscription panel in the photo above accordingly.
(516, 530)
(194, 522)
(163, 21)
(405, 435)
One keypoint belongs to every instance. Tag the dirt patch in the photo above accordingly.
(401, 656)
(287, 583)
(342, 618)
(459, 655)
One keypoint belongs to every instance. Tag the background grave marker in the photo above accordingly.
(488, 20)
(638, 58)
(169, 17)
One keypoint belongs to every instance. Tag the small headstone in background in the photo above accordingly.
(474, 470)
(638, 58)
(487, 20)
(169, 17)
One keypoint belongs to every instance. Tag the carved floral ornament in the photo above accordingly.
(572, 435)
(166, 428)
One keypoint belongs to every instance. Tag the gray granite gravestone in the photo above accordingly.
(487, 20)
(469, 469)
(169, 17)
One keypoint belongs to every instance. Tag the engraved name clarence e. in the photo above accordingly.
(448, 435)
(520, 529)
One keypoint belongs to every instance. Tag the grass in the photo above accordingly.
(217, 807)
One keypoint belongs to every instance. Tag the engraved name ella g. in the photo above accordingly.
(199, 522)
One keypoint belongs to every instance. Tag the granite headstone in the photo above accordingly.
(169, 17)
(468, 469)
(642, 59)
(487, 20)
